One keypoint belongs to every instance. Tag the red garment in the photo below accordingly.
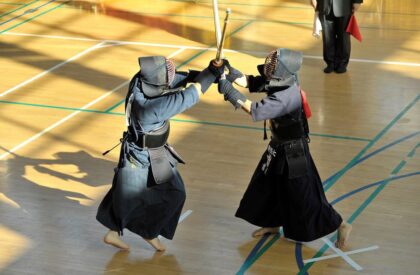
(353, 28)
(305, 104)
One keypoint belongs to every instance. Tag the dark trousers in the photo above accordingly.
(335, 39)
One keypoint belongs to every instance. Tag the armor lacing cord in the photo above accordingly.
(121, 141)
(265, 129)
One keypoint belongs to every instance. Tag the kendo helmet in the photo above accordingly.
(156, 75)
(281, 67)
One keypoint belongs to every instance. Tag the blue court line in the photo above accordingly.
(298, 247)
(26, 12)
(363, 206)
(370, 144)
(21, 7)
(254, 251)
(349, 194)
(374, 153)
(248, 264)
(298, 256)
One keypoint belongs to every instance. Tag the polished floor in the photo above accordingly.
(65, 66)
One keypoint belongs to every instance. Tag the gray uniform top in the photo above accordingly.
(277, 104)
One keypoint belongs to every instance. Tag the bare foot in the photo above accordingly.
(343, 235)
(156, 244)
(112, 238)
(262, 231)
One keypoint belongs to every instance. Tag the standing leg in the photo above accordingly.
(113, 238)
(343, 234)
(264, 230)
(343, 44)
(328, 38)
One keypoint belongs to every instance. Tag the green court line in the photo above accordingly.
(412, 153)
(12, 4)
(32, 18)
(21, 7)
(52, 107)
(359, 210)
(174, 119)
(371, 143)
(114, 106)
(260, 253)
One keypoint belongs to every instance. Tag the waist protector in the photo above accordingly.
(154, 139)
(281, 132)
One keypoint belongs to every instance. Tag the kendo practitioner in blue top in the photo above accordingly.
(285, 189)
(147, 193)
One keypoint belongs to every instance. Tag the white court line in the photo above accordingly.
(26, 142)
(58, 123)
(409, 64)
(181, 219)
(342, 255)
(53, 68)
(370, 248)
(185, 215)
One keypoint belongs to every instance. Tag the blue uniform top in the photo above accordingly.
(151, 113)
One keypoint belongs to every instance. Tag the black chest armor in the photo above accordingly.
(289, 127)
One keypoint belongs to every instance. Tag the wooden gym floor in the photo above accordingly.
(64, 68)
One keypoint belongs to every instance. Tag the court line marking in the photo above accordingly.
(363, 206)
(383, 148)
(363, 188)
(32, 18)
(21, 7)
(306, 267)
(342, 255)
(185, 215)
(26, 12)
(370, 248)
(371, 143)
(174, 119)
(246, 265)
(181, 219)
(328, 240)
(58, 123)
(92, 48)
(262, 53)
(398, 63)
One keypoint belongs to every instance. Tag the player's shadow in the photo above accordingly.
(52, 188)
(124, 262)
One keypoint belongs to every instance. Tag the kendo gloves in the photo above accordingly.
(232, 95)
(233, 73)
(207, 76)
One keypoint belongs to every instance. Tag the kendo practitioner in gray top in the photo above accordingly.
(147, 193)
(285, 189)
